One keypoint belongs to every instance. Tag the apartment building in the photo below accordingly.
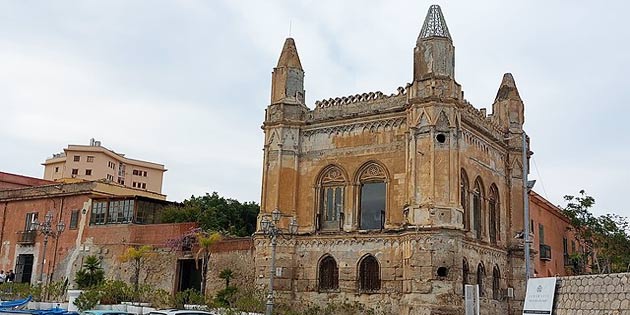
(94, 162)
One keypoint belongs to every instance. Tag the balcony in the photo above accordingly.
(26, 237)
(545, 252)
(567, 260)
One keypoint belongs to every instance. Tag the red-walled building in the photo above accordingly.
(554, 239)
(100, 218)
(11, 181)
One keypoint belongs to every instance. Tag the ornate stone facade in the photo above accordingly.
(412, 194)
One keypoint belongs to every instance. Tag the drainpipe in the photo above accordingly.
(4, 219)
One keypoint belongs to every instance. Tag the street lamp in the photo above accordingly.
(46, 228)
(270, 228)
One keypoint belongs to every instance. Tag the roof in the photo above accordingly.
(434, 24)
(9, 180)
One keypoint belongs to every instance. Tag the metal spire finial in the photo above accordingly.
(434, 24)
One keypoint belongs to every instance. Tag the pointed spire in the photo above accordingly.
(434, 24)
(508, 89)
(289, 57)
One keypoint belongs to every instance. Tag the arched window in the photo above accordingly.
(331, 184)
(464, 199)
(465, 272)
(496, 283)
(478, 197)
(369, 274)
(328, 274)
(373, 180)
(494, 212)
(481, 275)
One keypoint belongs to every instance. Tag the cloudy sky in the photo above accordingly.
(185, 83)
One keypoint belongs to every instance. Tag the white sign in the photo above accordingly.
(278, 271)
(539, 296)
(472, 299)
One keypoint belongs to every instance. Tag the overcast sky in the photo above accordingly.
(185, 83)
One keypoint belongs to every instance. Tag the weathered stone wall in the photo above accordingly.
(594, 294)
(236, 255)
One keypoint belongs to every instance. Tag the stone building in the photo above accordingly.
(401, 199)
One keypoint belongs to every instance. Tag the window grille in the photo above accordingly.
(481, 274)
(369, 275)
(496, 283)
(328, 274)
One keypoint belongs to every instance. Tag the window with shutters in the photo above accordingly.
(74, 220)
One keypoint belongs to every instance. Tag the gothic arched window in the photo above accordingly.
(481, 275)
(478, 198)
(464, 199)
(373, 196)
(369, 274)
(328, 274)
(494, 214)
(496, 283)
(330, 185)
(465, 272)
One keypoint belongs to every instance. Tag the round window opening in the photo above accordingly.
(441, 138)
(442, 272)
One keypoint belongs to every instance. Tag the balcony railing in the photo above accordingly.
(545, 252)
(567, 260)
(27, 237)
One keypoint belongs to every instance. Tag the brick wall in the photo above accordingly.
(594, 294)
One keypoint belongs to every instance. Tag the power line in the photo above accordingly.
(540, 178)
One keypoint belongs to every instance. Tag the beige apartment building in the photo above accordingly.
(94, 161)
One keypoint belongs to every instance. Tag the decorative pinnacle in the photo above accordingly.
(434, 24)
(508, 89)
(289, 57)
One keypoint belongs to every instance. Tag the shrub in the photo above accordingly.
(189, 296)
(14, 291)
(114, 292)
(87, 300)
(249, 300)
(225, 297)
(161, 299)
(55, 291)
(91, 274)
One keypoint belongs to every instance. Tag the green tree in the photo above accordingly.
(205, 241)
(227, 275)
(137, 256)
(91, 274)
(215, 213)
(604, 239)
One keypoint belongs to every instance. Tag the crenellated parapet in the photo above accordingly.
(365, 97)
(358, 105)
(480, 119)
